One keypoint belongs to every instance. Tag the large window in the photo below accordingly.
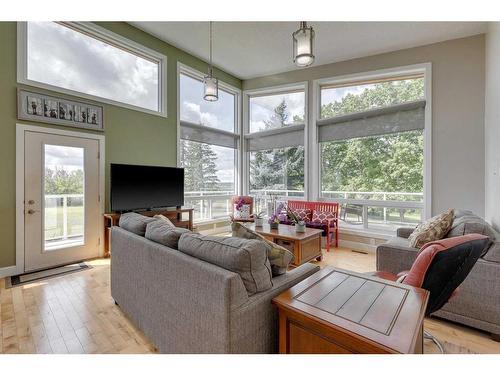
(275, 145)
(85, 60)
(372, 150)
(208, 147)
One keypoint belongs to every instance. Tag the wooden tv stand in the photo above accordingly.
(175, 216)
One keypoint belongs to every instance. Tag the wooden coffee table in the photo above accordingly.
(304, 246)
(339, 311)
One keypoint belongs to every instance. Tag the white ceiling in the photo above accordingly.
(253, 49)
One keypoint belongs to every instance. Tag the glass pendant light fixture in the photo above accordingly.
(303, 43)
(211, 84)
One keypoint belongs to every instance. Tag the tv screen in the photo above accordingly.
(136, 187)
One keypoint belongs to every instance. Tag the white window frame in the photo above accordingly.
(196, 74)
(273, 90)
(315, 166)
(105, 36)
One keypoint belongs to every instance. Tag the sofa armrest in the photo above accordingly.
(254, 324)
(404, 232)
(395, 255)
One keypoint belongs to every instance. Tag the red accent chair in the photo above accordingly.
(330, 225)
(440, 267)
(246, 200)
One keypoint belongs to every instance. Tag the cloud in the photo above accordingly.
(63, 57)
(63, 157)
(262, 108)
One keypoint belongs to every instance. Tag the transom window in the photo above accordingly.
(86, 60)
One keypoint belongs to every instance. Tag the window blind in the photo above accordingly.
(387, 120)
(287, 136)
(205, 134)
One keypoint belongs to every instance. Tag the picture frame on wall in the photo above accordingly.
(39, 107)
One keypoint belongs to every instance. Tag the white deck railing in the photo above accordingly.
(362, 207)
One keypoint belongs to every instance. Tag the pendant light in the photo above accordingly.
(211, 83)
(303, 43)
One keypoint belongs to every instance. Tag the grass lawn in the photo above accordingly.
(54, 221)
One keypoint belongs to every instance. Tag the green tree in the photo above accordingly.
(61, 181)
(200, 169)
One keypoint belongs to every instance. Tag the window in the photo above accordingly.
(275, 145)
(208, 146)
(277, 110)
(372, 151)
(85, 60)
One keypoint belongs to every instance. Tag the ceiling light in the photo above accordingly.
(211, 83)
(303, 43)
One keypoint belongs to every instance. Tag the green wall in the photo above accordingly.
(131, 136)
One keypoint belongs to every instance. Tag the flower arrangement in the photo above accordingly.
(300, 225)
(259, 218)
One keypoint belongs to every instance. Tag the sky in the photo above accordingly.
(63, 157)
(262, 108)
(58, 55)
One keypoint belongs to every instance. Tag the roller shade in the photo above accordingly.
(287, 136)
(394, 119)
(205, 134)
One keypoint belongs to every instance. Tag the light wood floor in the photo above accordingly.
(75, 314)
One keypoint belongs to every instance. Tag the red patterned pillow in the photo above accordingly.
(322, 217)
(303, 213)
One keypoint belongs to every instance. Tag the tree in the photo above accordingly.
(200, 169)
(61, 181)
(391, 163)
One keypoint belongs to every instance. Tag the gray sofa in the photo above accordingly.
(186, 305)
(478, 302)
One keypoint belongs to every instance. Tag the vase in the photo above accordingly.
(259, 222)
(300, 227)
(274, 225)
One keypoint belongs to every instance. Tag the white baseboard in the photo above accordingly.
(8, 271)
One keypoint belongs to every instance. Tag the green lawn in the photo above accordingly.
(54, 221)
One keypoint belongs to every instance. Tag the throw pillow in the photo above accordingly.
(162, 232)
(135, 223)
(165, 219)
(279, 257)
(303, 214)
(431, 230)
(243, 212)
(322, 217)
(248, 258)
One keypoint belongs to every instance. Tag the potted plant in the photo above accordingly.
(274, 220)
(300, 224)
(259, 219)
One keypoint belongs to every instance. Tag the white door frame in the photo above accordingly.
(20, 132)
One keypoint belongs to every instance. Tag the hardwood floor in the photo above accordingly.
(68, 314)
(76, 314)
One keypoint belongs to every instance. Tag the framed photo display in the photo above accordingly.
(44, 108)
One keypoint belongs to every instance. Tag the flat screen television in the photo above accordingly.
(141, 187)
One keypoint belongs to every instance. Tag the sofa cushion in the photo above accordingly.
(163, 232)
(304, 214)
(165, 219)
(322, 217)
(493, 253)
(279, 257)
(248, 258)
(135, 223)
(467, 224)
(242, 211)
(431, 230)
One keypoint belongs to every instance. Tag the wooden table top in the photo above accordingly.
(284, 231)
(387, 313)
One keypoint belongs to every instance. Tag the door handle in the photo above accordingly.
(31, 212)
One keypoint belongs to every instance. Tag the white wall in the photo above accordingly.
(492, 125)
(457, 112)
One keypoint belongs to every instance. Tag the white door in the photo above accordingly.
(61, 200)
